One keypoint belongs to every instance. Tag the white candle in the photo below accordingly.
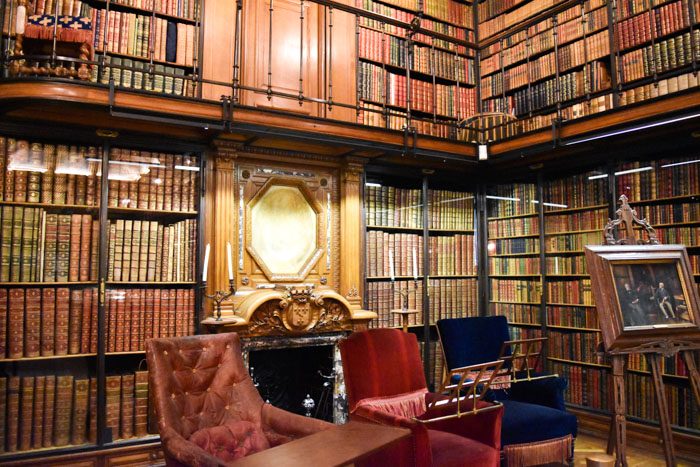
(230, 261)
(206, 264)
(391, 264)
(21, 19)
(415, 265)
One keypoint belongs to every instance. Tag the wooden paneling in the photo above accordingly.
(219, 39)
(340, 64)
(145, 455)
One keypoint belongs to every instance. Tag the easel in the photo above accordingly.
(653, 350)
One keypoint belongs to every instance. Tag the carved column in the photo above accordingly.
(351, 235)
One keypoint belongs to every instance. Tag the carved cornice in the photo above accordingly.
(353, 169)
(287, 156)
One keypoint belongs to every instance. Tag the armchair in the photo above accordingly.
(536, 428)
(209, 412)
(385, 384)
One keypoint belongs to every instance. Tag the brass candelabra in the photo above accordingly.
(219, 296)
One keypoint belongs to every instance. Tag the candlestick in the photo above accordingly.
(415, 265)
(206, 264)
(230, 261)
(219, 296)
(391, 264)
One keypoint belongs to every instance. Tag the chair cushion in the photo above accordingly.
(408, 405)
(527, 423)
(449, 450)
(231, 441)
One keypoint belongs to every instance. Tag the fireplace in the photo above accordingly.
(287, 369)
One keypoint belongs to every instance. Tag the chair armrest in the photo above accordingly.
(291, 424)
(484, 427)
(180, 452)
(546, 391)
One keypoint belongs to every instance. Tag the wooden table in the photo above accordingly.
(340, 445)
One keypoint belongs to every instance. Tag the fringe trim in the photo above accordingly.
(33, 31)
(409, 405)
(558, 450)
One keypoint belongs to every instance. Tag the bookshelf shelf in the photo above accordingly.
(419, 42)
(676, 224)
(118, 6)
(515, 275)
(552, 234)
(532, 325)
(54, 208)
(142, 59)
(572, 328)
(508, 255)
(515, 236)
(665, 375)
(388, 278)
(570, 210)
(453, 276)
(50, 284)
(52, 450)
(150, 284)
(48, 357)
(122, 442)
(571, 305)
(513, 303)
(418, 111)
(515, 216)
(402, 229)
(660, 37)
(564, 276)
(454, 231)
(576, 362)
(427, 76)
(570, 252)
(131, 352)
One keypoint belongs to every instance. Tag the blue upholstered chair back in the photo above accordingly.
(468, 341)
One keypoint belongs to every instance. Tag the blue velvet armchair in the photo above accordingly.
(536, 428)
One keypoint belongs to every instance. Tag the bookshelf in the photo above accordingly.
(401, 73)
(150, 45)
(397, 225)
(72, 368)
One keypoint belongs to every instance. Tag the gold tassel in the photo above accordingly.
(558, 450)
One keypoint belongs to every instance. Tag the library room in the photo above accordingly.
(350, 232)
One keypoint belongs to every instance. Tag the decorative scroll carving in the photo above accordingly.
(626, 219)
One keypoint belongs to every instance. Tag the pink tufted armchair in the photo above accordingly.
(209, 412)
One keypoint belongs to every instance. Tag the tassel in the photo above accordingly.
(545, 452)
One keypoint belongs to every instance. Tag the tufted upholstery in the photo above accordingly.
(199, 383)
(383, 366)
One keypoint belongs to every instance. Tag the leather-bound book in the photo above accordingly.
(32, 326)
(177, 184)
(111, 309)
(4, 305)
(135, 251)
(49, 410)
(121, 310)
(38, 417)
(6, 222)
(13, 388)
(48, 321)
(71, 184)
(63, 253)
(141, 404)
(171, 45)
(136, 328)
(11, 148)
(152, 251)
(26, 410)
(16, 246)
(60, 181)
(116, 244)
(165, 313)
(133, 187)
(144, 186)
(16, 324)
(154, 186)
(191, 314)
(86, 324)
(75, 247)
(156, 313)
(93, 323)
(95, 250)
(149, 307)
(81, 401)
(127, 406)
(126, 253)
(164, 251)
(91, 198)
(160, 190)
(180, 312)
(168, 185)
(62, 320)
(50, 247)
(34, 178)
(143, 251)
(92, 414)
(75, 316)
(3, 411)
(63, 410)
(112, 405)
(21, 177)
(29, 222)
(81, 181)
(85, 247)
(3, 172)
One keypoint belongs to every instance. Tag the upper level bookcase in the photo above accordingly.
(98, 252)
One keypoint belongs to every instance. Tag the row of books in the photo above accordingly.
(376, 85)
(44, 247)
(152, 180)
(47, 410)
(673, 365)
(406, 17)
(670, 213)
(450, 11)
(127, 404)
(522, 291)
(134, 315)
(569, 56)
(590, 387)
(695, 264)
(566, 265)
(507, 266)
(33, 172)
(572, 242)
(133, 74)
(570, 86)
(449, 298)
(374, 115)
(575, 192)
(682, 406)
(512, 200)
(141, 36)
(591, 106)
(660, 57)
(148, 251)
(393, 207)
(688, 236)
(576, 292)
(435, 361)
(450, 210)
(659, 88)
(667, 178)
(182, 8)
(393, 254)
(572, 317)
(513, 246)
(583, 220)
(514, 227)
(519, 333)
(574, 346)
(46, 322)
(516, 313)
(649, 25)
(452, 255)
(502, 22)
(627, 8)
(533, 45)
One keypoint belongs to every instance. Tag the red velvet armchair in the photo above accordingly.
(209, 412)
(385, 384)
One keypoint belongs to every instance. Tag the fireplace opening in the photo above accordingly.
(285, 377)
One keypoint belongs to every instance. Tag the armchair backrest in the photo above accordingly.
(381, 363)
(468, 341)
(200, 382)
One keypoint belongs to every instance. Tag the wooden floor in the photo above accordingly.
(636, 456)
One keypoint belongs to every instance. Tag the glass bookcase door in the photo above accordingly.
(49, 202)
(513, 251)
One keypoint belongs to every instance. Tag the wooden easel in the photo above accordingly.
(654, 351)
